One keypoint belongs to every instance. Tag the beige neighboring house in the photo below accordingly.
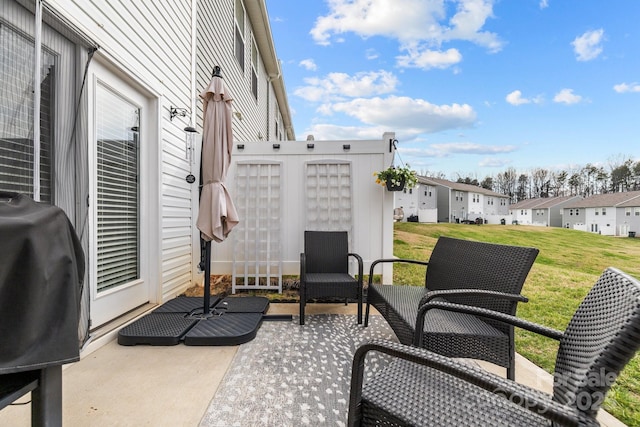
(611, 214)
(547, 211)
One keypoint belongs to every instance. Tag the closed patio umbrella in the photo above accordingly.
(217, 215)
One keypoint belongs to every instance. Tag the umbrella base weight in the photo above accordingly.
(231, 321)
(226, 329)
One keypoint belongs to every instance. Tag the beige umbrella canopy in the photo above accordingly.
(217, 214)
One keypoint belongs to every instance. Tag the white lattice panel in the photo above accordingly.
(257, 253)
(329, 200)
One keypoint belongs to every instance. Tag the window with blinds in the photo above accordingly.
(239, 33)
(16, 114)
(117, 127)
(254, 69)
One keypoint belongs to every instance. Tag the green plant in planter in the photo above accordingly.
(394, 177)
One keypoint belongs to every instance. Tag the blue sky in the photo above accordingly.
(471, 87)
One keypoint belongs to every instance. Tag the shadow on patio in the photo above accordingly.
(174, 386)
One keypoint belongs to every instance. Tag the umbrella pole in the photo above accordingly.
(206, 310)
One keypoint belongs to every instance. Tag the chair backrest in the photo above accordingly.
(465, 264)
(326, 251)
(602, 336)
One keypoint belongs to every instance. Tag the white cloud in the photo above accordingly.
(494, 162)
(427, 59)
(338, 86)
(566, 96)
(371, 54)
(627, 87)
(309, 64)
(408, 21)
(331, 132)
(515, 98)
(472, 148)
(544, 4)
(589, 45)
(413, 116)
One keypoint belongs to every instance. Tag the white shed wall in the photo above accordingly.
(372, 205)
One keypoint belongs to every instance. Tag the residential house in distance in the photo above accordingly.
(440, 200)
(419, 201)
(611, 214)
(547, 212)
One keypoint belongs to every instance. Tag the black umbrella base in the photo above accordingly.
(231, 321)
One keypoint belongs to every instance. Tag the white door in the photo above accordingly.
(119, 127)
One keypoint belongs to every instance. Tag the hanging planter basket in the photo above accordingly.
(396, 187)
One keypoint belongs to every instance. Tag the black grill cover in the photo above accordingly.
(41, 272)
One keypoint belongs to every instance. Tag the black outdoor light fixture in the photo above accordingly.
(174, 111)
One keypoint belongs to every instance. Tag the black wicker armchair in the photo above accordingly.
(480, 274)
(324, 270)
(422, 388)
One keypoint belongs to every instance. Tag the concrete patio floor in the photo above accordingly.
(115, 385)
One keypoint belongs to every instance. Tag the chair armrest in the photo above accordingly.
(471, 292)
(531, 399)
(394, 260)
(485, 313)
(360, 266)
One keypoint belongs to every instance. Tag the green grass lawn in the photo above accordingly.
(568, 265)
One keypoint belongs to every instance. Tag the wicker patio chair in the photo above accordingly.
(465, 272)
(324, 270)
(422, 388)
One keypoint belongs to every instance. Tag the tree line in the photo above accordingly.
(619, 176)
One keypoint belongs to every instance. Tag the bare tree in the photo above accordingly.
(558, 183)
(487, 183)
(541, 182)
(523, 187)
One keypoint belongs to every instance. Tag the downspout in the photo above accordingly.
(195, 237)
(270, 80)
(36, 101)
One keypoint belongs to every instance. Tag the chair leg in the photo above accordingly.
(359, 312)
(511, 370)
(366, 315)
(301, 310)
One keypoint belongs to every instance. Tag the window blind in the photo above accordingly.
(118, 195)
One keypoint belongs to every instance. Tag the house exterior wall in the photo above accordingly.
(408, 200)
(422, 201)
(427, 203)
(135, 44)
(597, 222)
(555, 216)
(476, 203)
(628, 219)
(540, 216)
(166, 50)
(573, 217)
(523, 216)
(444, 204)
(459, 205)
